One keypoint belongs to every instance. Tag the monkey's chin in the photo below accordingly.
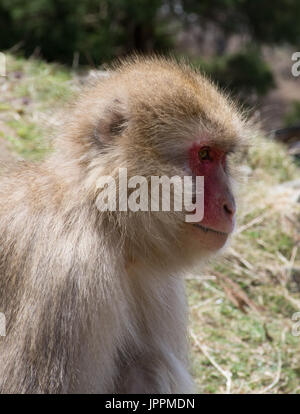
(208, 238)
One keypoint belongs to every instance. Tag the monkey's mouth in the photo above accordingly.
(208, 229)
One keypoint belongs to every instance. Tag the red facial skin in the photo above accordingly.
(219, 205)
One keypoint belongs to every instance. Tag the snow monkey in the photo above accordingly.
(94, 300)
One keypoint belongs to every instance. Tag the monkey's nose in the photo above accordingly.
(229, 209)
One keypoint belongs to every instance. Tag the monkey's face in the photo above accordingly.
(219, 205)
(195, 157)
(190, 148)
(165, 120)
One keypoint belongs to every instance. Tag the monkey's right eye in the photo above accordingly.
(204, 154)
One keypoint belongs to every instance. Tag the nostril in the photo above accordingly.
(228, 209)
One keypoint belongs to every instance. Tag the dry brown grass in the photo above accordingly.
(246, 326)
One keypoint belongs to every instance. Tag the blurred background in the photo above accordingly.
(243, 307)
(245, 45)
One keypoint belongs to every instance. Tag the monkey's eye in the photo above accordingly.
(204, 154)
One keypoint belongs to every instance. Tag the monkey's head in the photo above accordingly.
(157, 118)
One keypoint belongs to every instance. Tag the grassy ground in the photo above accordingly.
(241, 305)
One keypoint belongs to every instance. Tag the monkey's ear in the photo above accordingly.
(112, 123)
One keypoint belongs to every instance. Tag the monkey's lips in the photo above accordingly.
(209, 238)
(208, 229)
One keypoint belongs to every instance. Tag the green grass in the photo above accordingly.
(37, 79)
(27, 107)
(27, 139)
(255, 346)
